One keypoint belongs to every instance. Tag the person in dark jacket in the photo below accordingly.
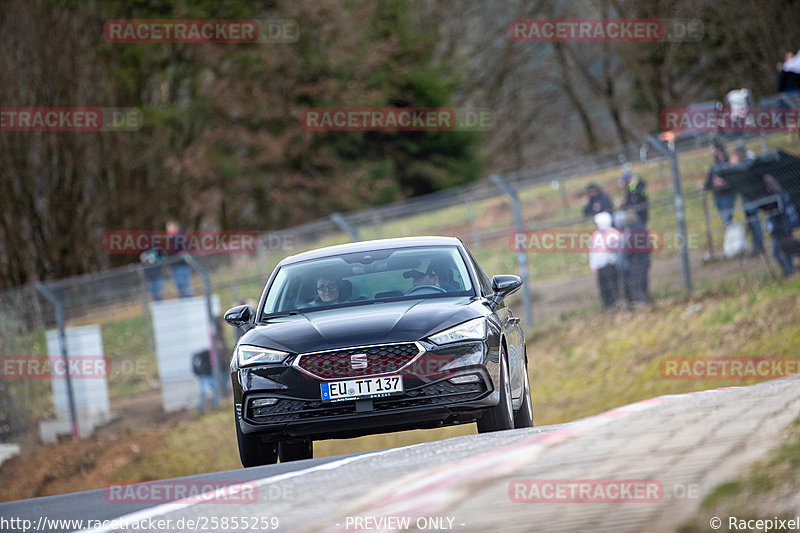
(633, 263)
(153, 273)
(201, 368)
(181, 271)
(635, 195)
(599, 201)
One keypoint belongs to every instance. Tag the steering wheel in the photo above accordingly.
(418, 287)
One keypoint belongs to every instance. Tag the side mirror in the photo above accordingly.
(504, 285)
(239, 316)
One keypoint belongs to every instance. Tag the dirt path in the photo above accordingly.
(42, 470)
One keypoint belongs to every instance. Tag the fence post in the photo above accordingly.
(62, 340)
(5, 409)
(262, 254)
(148, 319)
(340, 221)
(476, 239)
(522, 258)
(212, 323)
(680, 213)
(707, 216)
(377, 222)
(562, 187)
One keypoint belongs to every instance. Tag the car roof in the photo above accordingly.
(378, 244)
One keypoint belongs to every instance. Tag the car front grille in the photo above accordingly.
(431, 395)
(349, 362)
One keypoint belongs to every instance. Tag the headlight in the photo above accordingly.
(253, 355)
(471, 330)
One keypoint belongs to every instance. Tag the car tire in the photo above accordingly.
(253, 451)
(523, 418)
(501, 416)
(295, 450)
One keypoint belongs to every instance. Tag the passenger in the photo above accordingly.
(328, 292)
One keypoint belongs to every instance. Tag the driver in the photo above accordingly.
(429, 277)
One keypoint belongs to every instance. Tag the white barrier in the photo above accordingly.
(181, 328)
(90, 392)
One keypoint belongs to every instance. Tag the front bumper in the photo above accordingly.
(429, 399)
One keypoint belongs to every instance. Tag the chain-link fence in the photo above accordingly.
(120, 305)
(119, 302)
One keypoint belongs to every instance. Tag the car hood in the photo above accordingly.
(377, 323)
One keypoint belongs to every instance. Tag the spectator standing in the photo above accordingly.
(201, 368)
(724, 197)
(634, 262)
(603, 260)
(739, 102)
(598, 202)
(153, 273)
(181, 272)
(635, 195)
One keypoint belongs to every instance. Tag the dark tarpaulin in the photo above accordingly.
(746, 178)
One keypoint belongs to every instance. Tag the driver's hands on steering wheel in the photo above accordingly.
(434, 288)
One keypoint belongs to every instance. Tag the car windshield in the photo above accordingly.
(369, 277)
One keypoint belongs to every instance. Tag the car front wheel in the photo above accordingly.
(253, 451)
(501, 416)
(523, 418)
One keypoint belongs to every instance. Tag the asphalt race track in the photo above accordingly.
(661, 456)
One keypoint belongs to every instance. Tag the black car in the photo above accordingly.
(374, 337)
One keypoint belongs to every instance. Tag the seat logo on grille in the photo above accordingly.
(358, 361)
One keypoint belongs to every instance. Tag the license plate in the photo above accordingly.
(337, 391)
